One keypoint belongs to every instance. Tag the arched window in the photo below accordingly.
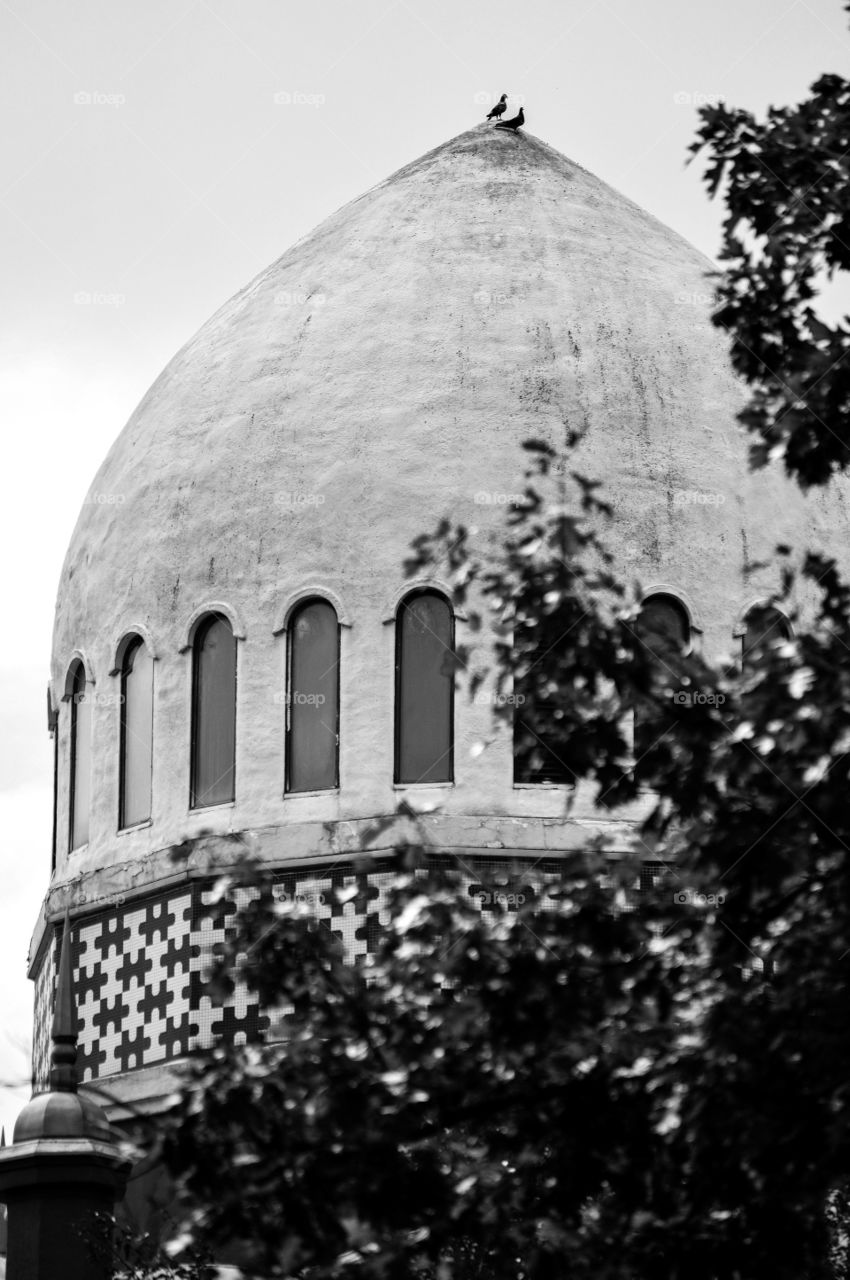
(53, 730)
(136, 734)
(664, 629)
(80, 788)
(424, 689)
(312, 699)
(763, 625)
(213, 712)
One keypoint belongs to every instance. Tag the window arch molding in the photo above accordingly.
(758, 602)
(416, 587)
(122, 643)
(293, 602)
(752, 630)
(202, 612)
(682, 599)
(77, 658)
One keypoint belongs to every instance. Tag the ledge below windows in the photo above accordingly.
(423, 786)
(135, 826)
(543, 786)
(304, 795)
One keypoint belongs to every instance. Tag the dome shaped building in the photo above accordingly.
(239, 662)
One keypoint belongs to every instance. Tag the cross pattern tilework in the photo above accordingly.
(239, 1018)
(43, 1012)
(132, 980)
(140, 970)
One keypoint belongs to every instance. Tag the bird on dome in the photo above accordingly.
(499, 109)
(516, 122)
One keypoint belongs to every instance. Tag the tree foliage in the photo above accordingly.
(787, 230)
(626, 1074)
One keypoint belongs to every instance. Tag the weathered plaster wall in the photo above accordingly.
(380, 375)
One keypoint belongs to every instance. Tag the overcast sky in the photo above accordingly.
(156, 155)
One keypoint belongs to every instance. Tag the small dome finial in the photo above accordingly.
(63, 1056)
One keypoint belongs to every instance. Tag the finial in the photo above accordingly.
(63, 1056)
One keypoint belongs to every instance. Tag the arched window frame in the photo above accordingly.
(200, 625)
(403, 604)
(312, 591)
(53, 730)
(741, 627)
(681, 601)
(127, 636)
(77, 681)
(681, 605)
(125, 654)
(288, 627)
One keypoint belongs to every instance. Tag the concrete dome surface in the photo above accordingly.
(387, 368)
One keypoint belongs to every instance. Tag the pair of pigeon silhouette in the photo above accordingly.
(499, 110)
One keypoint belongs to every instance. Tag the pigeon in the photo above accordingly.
(499, 108)
(514, 124)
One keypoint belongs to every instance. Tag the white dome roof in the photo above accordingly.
(377, 377)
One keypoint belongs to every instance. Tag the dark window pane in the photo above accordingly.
(214, 713)
(313, 699)
(664, 630)
(55, 798)
(764, 626)
(424, 689)
(136, 734)
(53, 729)
(80, 760)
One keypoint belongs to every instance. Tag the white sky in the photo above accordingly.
(181, 178)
